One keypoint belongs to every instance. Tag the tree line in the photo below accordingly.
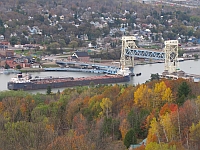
(165, 112)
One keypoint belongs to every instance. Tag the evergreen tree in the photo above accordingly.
(155, 77)
(18, 67)
(183, 92)
(130, 138)
(48, 90)
(7, 66)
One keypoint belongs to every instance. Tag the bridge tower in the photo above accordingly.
(127, 61)
(171, 55)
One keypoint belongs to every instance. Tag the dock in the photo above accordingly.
(180, 74)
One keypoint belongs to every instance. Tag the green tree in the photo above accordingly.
(13, 40)
(62, 43)
(54, 45)
(195, 20)
(107, 127)
(48, 90)
(7, 66)
(183, 92)
(197, 34)
(73, 44)
(130, 138)
(18, 67)
(155, 77)
(2, 28)
(196, 56)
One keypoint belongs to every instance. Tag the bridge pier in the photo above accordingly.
(171, 55)
(127, 61)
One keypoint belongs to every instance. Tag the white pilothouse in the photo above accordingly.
(20, 78)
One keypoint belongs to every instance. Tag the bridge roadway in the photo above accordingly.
(145, 53)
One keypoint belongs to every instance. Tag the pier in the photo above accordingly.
(180, 74)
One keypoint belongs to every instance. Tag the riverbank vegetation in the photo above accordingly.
(165, 112)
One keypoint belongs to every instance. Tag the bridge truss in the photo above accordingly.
(130, 50)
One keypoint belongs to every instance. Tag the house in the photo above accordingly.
(91, 46)
(4, 45)
(11, 63)
(1, 37)
(62, 17)
(35, 30)
(133, 146)
(80, 56)
(7, 53)
(194, 40)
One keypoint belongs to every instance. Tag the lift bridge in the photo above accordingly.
(130, 50)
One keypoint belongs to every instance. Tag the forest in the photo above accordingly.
(103, 117)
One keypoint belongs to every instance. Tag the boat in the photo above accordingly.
(24, 82)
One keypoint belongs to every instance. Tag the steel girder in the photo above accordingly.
(145, 53)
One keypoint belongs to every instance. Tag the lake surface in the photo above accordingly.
(190, 66)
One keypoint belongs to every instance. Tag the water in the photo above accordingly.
(190, 66)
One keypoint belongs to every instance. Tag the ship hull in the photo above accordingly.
(57, 83)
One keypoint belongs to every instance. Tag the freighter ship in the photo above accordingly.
(24, 82)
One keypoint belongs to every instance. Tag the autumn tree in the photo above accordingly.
(168, 128)
(124, 127)
(154, 132)
(195, 135)
(106, 105)
(142, 96)
(124, 100)
(161, 94)
(156, 146)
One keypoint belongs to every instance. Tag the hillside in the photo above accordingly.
(103, 117)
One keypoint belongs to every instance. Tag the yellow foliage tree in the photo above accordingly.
(142, 96)
(106, 105)
(168, 128)
(195, 134)
(161, 94)
(153, 131)
(1, 107)
(163, 146)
